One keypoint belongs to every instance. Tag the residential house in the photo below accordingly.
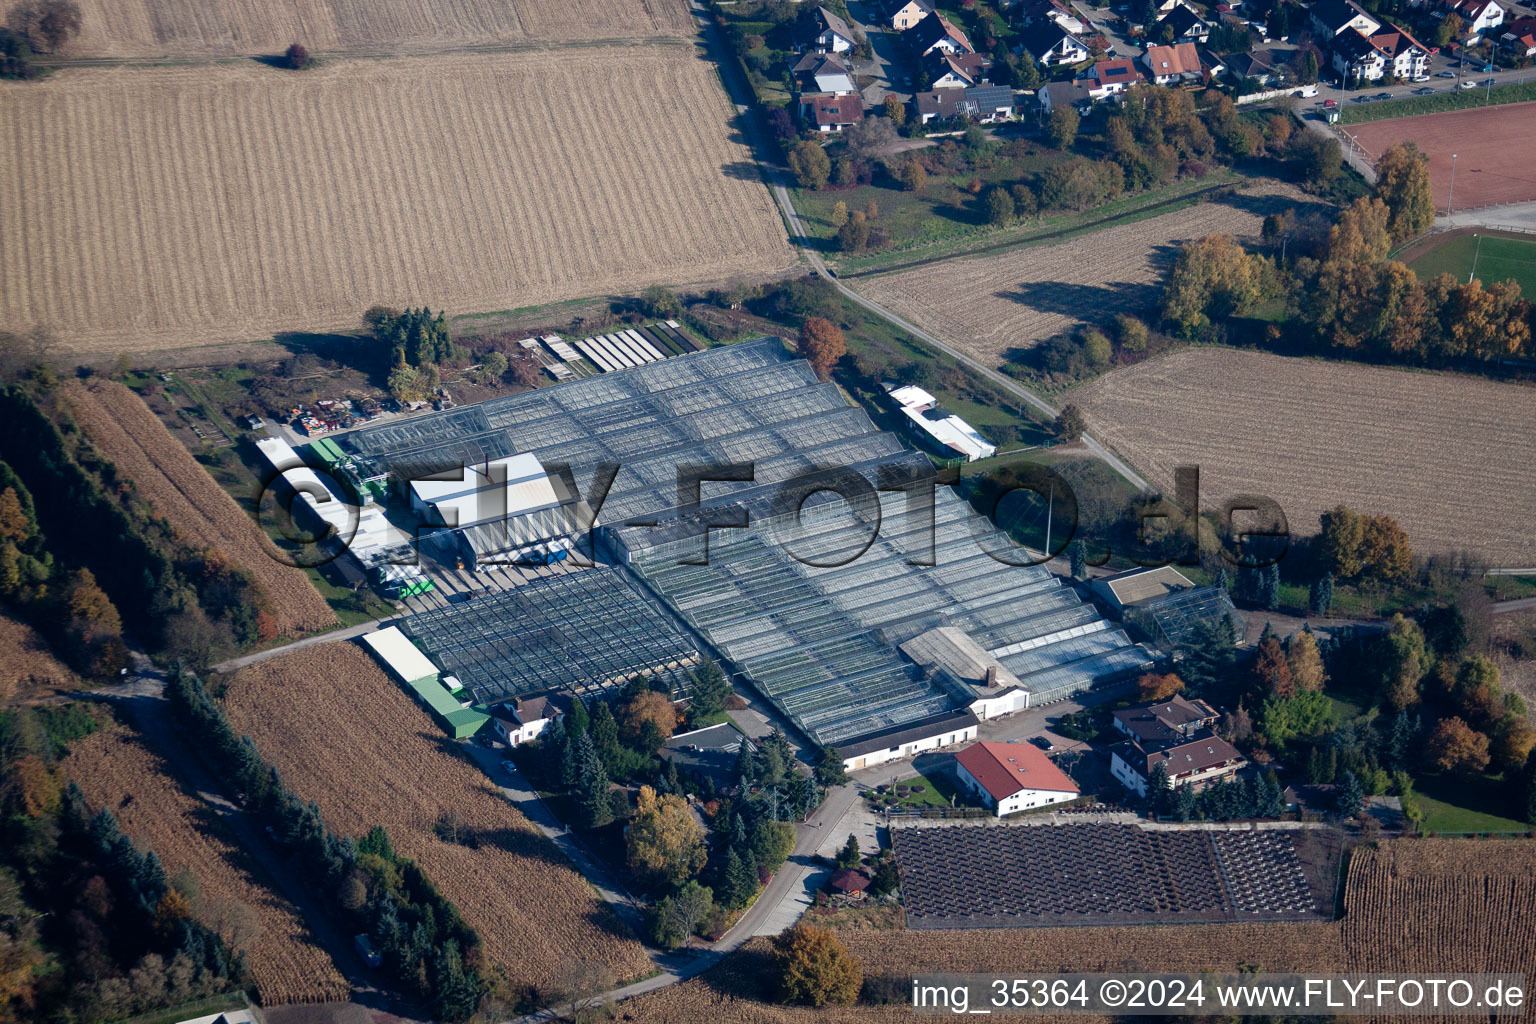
(1184, 23)
(1177, 734)
(1012, 777)
(1332, 18)
(1196, 763)
(907, 13)
(1034, 11)
(1178, 64)
(832, 113)
(1076, 95)
(1478, 17)
(952, 435)
(1050, 45)
(940, 104)
(1112, 77)
(519, 721)
(831, 33)
(955, 70)
(992, 103)
(1389, 51)
(935, 32)
(1262, 67)
(823, 72)
(1519, 37)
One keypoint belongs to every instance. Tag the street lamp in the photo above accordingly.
(1450, 200)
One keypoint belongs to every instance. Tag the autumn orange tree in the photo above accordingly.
(1154, 687)
(821, 343)
(1455, 746)
(647, 709)
(1305, 662)
(665, 844)
(815, 968)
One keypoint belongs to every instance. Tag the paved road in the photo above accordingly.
(1519, 605)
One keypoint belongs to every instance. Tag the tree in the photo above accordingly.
(1061, 127)
(47, 25)
(1513, 744)
(1528, 789)
(678, 916)
(1026, 75)
(1338, 543)
(1154, 687)
(1078, 559)
(591, 784)
(1269, 587)
(739, 879)
(647, 709)
(849, 856)
(1454, 746)
(895, 110)
(15, 524)
(869, 138)
(999, 207)
(810, 164)
(1350, 798)
(815, 968)
(1271, 670)
(296, 57)
(1385, 554)
(405, 384)
(1212, 278)
(1404, 658)
(821, 344)
(853, 236)
(1070, 423)
(1306, 662)
(1451, 28)
(1158, 782)
(772, 842)
(1361, 233)
(1320, 600)
(709, 693)
(579, 986)
(1402, 183)
(839, 214)
(665, 844)
(914, 176)
(830, 770)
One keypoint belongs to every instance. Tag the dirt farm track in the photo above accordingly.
(202, 205)
(1495, 150)
(1452, 458)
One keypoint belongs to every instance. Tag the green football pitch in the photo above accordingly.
(1488, 257)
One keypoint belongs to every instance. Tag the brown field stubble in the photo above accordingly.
(345, 736)
(986, 305)
(220, 28)
(179, 490)
(220, 204)
(1413, 906)
(27, 667)
(1451, 458)
(115, 770)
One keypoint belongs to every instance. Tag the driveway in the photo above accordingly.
(889, 65)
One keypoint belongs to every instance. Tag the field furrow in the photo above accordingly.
(222, 204)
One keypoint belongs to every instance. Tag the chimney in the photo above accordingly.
(991, 675)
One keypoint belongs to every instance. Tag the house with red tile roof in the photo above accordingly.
(1012, 777)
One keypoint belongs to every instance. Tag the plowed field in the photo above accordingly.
(219, 204)
(1451, 458)
(345, 736)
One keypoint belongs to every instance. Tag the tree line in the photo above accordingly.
(135, 575)
(427, 949)
(91, 927)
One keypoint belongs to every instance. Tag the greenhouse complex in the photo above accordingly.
(880, 622)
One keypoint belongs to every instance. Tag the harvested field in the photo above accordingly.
(116, 770)
(1494, 147)
(227, 203)
(986, 305)
(221, 28)
(345, 736)
(1413, 906)
(179, 490)
(1451, 458)
(27, 667)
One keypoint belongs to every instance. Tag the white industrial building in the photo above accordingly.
(1012, 777)
(951, 432)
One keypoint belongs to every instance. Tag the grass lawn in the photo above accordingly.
(1460, 99)
(927, 790)
(1458, 805)
(1511, 588)
(1486, 256)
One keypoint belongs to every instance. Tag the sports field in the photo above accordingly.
(1494, 150)
(1481, 254)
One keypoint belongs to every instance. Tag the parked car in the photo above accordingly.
(1362, 99)
(1330, 104)
(1042, 743)
(1445, 74)
(510, 767)
(1469, 85)
(1383, 95)
(1423, 92)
